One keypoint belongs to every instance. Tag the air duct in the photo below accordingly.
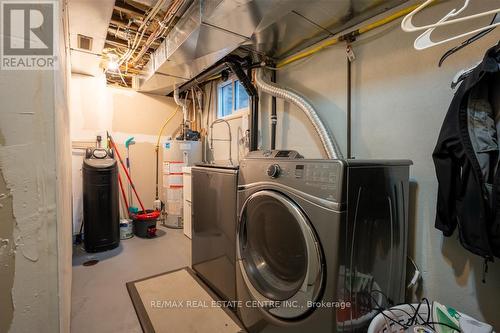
(327, 139)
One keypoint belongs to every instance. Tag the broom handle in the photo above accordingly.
(123, 192)
(126, 172)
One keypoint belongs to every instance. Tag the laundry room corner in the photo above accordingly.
(126, 114)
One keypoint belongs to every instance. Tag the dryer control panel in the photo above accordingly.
(321, 175)
(275, 154)
(320, 178)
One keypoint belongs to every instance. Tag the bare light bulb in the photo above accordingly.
(112, 66)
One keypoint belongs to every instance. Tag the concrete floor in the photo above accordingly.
(100, 302)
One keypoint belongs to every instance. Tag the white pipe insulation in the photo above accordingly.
(328, 141)
(182, 104)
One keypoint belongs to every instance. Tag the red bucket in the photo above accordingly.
(145, 223)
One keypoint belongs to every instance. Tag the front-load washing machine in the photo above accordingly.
(320, 243)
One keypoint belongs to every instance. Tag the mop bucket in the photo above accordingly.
(145, 223)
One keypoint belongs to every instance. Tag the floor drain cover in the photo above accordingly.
(90, 262)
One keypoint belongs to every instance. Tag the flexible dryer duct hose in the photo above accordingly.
(328, 141)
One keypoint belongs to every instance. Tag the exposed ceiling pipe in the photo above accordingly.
(183, 105)
(122, 34)
(162, 29)
(124, 25)
(328, 141)
(213, 70)
(152, 13)
(116, 42)
(129, 10)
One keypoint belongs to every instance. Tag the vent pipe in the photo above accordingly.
(183, 105)
(328, 141)
(235, 66)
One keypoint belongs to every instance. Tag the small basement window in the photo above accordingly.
(232, 98)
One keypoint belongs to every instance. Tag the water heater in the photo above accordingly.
(176, 155)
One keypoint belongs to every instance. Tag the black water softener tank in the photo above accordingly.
(101, 220)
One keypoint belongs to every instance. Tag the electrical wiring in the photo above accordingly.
(413, 319)
(428, 312)
(164, 27)
(132, 48)
(151, 14)
(121, 76)
(381, 309)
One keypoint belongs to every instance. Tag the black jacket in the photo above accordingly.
(466, 161)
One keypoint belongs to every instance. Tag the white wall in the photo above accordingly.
(34, 202)
(400, 98)
(97, 108)
(63, 179)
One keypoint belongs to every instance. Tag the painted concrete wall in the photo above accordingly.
(400, 98)
(96, 108)
(34, 151)
(63, 179)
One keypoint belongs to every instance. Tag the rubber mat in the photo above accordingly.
(178, 301)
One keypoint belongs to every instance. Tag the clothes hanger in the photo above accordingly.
(469, 41)
(424, 40)
(408, 26)
(462, 74)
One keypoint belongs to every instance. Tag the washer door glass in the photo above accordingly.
(279, 251)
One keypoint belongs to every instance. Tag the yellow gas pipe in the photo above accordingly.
(347, 36)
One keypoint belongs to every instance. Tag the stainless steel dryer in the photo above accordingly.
(319, 242)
